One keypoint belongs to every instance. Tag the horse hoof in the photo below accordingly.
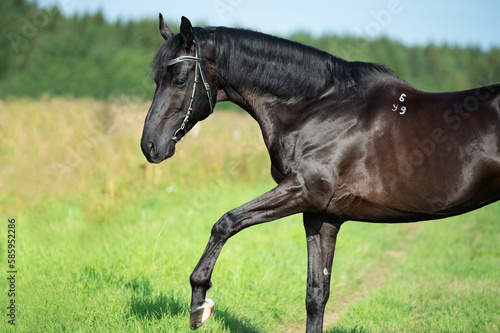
(201, 315)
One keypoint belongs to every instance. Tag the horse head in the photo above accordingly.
(183, 95)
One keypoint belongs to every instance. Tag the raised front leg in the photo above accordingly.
(286, 199)
(321, 239)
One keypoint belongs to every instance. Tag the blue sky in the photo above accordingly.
(462, 22)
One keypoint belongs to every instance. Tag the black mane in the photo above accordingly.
(270, 65)
(274, 66)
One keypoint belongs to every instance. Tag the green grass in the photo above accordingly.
(83, 275)
(87, 226)
(449, 282)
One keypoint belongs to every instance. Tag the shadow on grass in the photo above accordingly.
(355, 329)
(155, 307)
(235, 324)
(145, 306)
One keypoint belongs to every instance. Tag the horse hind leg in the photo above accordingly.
(321, 239)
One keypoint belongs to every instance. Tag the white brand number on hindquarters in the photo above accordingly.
(395, 107)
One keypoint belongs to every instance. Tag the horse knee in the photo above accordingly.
(222, 229)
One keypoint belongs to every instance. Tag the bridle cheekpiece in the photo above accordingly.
(182, 130)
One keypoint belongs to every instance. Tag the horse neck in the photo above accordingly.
(278, 81)
(255, 70)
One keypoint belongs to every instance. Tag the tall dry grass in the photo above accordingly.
(63, 147)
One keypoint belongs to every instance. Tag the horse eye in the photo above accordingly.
(179, 83)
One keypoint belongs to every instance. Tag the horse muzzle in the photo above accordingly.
(156, 152)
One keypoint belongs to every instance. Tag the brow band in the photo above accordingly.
(183, 58)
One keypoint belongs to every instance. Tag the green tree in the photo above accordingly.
(43, 51)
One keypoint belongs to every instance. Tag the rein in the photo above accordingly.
(182, 130)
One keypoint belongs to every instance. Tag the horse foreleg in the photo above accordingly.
(286, 199)
(321, 239)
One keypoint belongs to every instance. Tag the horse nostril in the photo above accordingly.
(151, 148)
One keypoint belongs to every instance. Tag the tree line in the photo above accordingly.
(43, 51)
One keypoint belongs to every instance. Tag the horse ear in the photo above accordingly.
(187, 33)
(164, 30)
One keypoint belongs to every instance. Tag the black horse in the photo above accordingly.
(347, 141)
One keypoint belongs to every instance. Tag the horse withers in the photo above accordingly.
(347, 141)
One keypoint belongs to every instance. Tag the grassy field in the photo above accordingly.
(89, 210)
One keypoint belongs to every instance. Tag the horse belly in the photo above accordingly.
(440, 188)
(412, 204)
(355, 208)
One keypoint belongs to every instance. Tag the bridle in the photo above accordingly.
(182, 130)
